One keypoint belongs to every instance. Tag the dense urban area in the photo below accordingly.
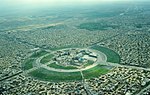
(34, 59)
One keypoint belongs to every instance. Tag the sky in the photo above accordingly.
(39, 3)
(24, 4)
(57, 2)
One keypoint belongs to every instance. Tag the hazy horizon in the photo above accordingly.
(11, 5)
(60, 2)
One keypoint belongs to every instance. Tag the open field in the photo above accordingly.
(46, 59)
(88, 63)
(44, 74)
(95, 72)
(111, 55)
(28, 64)
(54, 65)
(47, 75)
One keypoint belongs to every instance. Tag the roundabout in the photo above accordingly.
(66, 64)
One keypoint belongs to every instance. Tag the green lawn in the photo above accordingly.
(28, 64)
(46, 59)
(90, 62)
(46, 75)
(39, 54)
(111, 55)
(95, 72)
(54, 65)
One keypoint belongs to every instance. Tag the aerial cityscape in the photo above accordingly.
(76, 47)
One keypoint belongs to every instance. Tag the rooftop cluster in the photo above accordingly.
(75, 57)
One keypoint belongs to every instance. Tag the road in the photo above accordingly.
(120, 65)
(86, 87)
(143, 90)
(101, 59)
